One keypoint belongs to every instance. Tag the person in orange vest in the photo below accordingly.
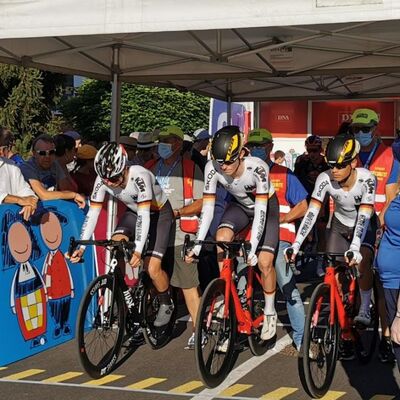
(292, 198)
(182, 182)
(379, 159)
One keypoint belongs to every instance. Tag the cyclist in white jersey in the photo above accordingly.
(354, 222)
(254, 201)
(147, 206)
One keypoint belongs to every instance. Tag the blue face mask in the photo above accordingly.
(364, 138)
(258, 152)
(165, 150)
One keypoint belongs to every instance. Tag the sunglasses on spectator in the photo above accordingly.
(338, 166)
(364, 129)
(46, 152)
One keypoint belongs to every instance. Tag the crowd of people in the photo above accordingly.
(339, 199)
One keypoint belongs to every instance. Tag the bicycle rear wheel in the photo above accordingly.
(100, 329)
(156, 337)
(366, 338)
(256, 306)
(320, 345)
(215, 335)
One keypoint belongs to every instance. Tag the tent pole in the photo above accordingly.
(229, 102)
(114, 136)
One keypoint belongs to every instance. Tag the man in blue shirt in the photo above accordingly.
(292, 199)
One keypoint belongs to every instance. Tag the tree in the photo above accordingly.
(27, 98)
(143, 108)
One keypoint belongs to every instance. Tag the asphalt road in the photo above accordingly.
(170, 373)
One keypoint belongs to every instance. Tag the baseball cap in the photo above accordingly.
(128, 141)
(75, 135)
(259, 136)
(86, 152)
(201, 134)
(364, 116)
(146, 140)
(171, 130)
(134, 135)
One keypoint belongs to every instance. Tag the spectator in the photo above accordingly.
(85, 174)
(66, 158)
(182, 182)
(146, 148)
(279, 157)
(200, 147)
(76, 136)
(130, 146)
(45, 175)
(187, 146)
(9, 143)
(13, 188)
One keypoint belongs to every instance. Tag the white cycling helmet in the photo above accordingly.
(110, 160)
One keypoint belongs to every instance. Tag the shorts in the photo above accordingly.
(162, 223)
(238, 217)
(339, 236)
(183, 275)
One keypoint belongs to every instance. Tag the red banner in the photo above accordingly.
(327, 116)
(284, 118)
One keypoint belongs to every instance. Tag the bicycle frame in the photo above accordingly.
(337, 309)
(245, 322)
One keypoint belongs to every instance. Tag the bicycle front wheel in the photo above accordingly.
(320, 345)
(100, 328)
(215, 335)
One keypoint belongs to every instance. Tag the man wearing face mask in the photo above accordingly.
(182, 181)
(292, 199)
(379, 159)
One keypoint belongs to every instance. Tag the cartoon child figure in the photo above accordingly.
(28, 293)
(56, 274)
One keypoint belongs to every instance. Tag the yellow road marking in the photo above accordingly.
(24, 374)
(279, 394)
(187, 387)
(235, 389)
(63, 377)
(382, 397)
(104, 380)
(332, 395)
(1, 368)
(145, 383)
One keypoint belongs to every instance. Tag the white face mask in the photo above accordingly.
(165, 150)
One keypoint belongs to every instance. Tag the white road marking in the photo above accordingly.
(242, 370)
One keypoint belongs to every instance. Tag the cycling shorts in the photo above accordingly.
(238, 217)
(339, 236)
(161, 223)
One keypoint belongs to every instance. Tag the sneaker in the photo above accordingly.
(385, 354)
(190, 343)
(363, 318)
(346, 350)
(136, 338)
(269, 327)
(223, 347)
(164, 315)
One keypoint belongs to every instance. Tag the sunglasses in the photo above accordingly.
(364, 129)
(113, 179)
(230, 162)
(338, 166)
(46, 152)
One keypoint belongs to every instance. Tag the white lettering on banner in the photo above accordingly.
(283, 117)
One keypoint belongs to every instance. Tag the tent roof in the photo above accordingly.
(261, 50)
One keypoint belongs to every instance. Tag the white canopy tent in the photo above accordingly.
(235, 51)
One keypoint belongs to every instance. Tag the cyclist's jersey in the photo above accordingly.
(353, 208)
(141, 194)
(252, 190)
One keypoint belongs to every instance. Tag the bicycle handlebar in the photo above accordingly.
(123, 245)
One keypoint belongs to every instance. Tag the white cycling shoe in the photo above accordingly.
(269, 327)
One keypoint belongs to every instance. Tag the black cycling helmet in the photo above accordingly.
(342, 149)
(227, 144)
(110, 160)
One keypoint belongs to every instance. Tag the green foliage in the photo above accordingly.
(143, 108)
(27, 98)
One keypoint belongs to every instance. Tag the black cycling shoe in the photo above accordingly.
(346, 350)
(385, 354)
